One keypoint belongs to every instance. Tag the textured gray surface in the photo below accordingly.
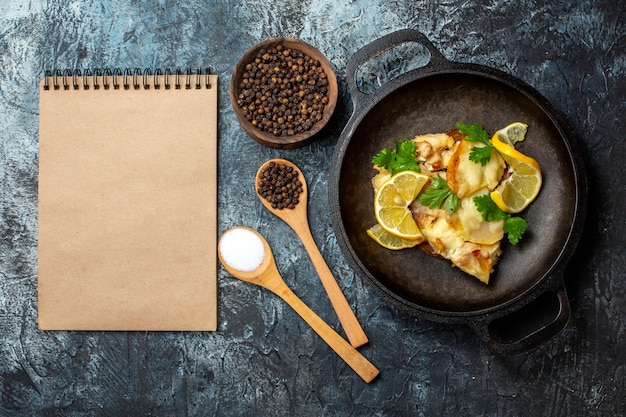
(264, 360)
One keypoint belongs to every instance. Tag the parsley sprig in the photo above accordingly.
(402, 158)
(477, 133)
(437, 194)
(514, 226)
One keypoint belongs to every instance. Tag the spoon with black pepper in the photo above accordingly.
(246, 255)
(282, 189)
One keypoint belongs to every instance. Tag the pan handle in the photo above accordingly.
(382, 45)
(533, 337)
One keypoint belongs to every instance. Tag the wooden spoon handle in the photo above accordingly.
(349, 354)
(347, 318)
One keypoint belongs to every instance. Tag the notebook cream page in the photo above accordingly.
(127, 206)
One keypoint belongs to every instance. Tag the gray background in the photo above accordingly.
(264, 360)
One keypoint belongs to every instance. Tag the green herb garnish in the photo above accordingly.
(437, 194)
(477, 133)
(514, 227)
(402, 158)
(488, 209)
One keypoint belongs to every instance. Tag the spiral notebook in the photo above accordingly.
(127, 201)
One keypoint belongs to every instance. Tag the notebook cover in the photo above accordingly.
(127, 208)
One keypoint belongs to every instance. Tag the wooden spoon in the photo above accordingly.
(267, 276)
(297, 219)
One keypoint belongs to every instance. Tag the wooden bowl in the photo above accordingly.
(266, 138)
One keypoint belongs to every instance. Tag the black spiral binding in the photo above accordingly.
(135, 79)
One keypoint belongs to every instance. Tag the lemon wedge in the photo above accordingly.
(517, 191)
(391, 204)
(512, 133)
(389, 241)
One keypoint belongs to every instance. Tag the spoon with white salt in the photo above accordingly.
(246, 255)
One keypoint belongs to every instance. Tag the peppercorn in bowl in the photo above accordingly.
(283, 91)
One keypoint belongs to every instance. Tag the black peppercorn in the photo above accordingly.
(283, 91)
(280, 186)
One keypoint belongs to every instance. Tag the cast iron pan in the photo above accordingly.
(434, 98)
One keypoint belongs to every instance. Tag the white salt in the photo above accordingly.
(241, 249)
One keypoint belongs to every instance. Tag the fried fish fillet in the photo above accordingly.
(464, 237)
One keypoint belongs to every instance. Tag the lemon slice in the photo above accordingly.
(391, 204)
(389, 241)
(516, 192)
(511, 134)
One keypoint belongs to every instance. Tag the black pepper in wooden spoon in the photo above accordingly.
(280, 185)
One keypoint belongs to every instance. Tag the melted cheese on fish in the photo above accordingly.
(465, 177)
(448, 240)
(470, 222)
